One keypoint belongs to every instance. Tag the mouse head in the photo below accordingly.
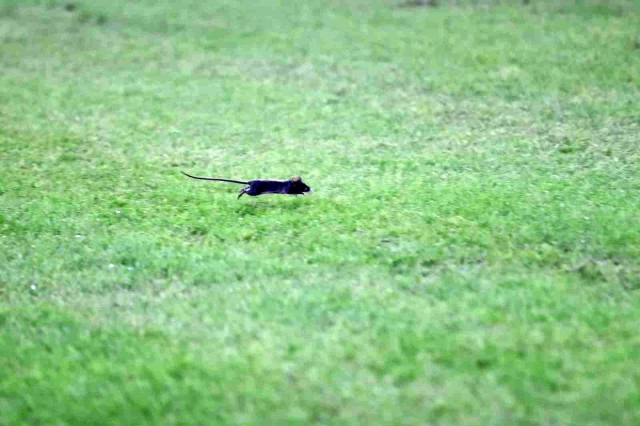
(297, 186)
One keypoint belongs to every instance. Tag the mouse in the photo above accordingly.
(293, 186)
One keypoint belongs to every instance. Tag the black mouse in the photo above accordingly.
(293, 186)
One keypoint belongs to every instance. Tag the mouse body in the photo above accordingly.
(293, 186)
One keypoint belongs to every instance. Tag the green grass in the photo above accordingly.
(469, 255)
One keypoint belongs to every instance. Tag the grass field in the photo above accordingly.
(469, 256)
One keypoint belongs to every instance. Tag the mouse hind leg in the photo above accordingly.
(243, 191)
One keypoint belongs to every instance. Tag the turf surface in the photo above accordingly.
(469, 254)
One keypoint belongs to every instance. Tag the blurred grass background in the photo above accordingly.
(468, 256)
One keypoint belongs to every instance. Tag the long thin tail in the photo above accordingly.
(219, 179)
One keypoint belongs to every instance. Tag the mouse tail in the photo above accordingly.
(216, 179)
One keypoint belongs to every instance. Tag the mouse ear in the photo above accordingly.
(296, 179)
